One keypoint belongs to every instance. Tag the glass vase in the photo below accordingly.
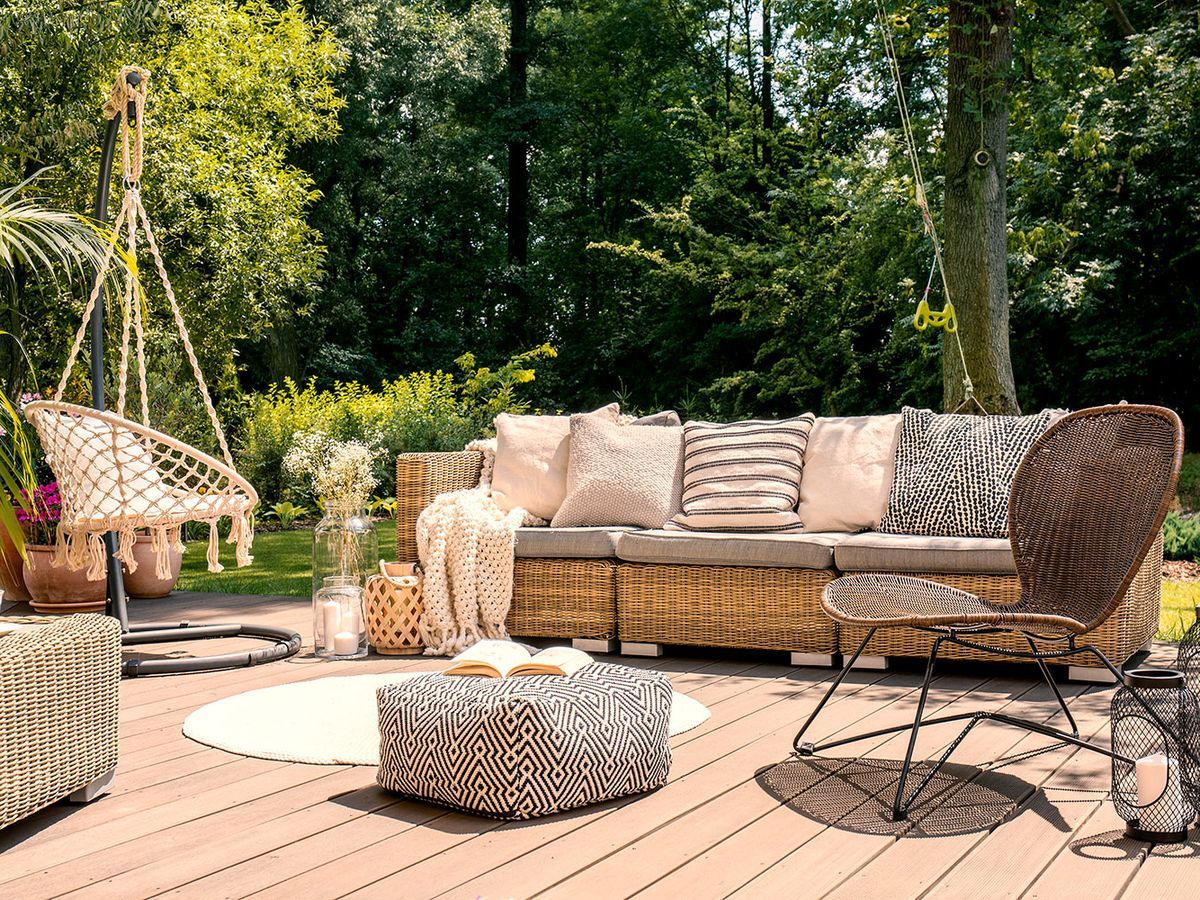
(345, 553)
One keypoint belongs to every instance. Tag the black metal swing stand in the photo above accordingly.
(283, 643)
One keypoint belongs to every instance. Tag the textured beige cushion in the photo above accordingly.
(532, 455)
(621, 474)
(877, 552)
(784, 551)
(742, 477)
(568, 543)
(848, 468)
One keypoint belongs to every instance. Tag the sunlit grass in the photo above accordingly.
(1179, 602)
(282, 564)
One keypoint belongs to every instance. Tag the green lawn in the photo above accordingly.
(1179, 602)
(282, 564)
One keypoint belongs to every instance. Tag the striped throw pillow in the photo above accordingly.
(742, 477)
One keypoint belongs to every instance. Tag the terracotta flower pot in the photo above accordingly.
(144, 584)
(12, 579)
(56, 589)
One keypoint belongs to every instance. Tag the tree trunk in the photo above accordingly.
(518, 139)
(283, 349)
(768, 77)
(975, 206)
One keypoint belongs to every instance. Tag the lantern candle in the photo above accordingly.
(1159, 794)
(345, 643)
(331, 613)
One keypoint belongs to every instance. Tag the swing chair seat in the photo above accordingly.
(117, 475)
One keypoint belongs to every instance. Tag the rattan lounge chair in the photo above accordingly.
(1086, 505)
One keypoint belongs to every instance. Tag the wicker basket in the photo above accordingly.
(393, 610)
(59, 704)
(1125, 633)
(725, 606)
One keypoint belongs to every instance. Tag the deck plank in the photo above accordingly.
(190, 821)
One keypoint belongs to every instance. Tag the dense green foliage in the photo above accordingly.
(417, 412)
(235, 86)
(329, 180)
(1181, 537)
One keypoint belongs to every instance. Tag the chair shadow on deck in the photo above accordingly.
(856, 795)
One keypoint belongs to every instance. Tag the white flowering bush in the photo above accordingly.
(337, 471)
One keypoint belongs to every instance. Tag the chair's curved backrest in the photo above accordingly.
(1087, 503)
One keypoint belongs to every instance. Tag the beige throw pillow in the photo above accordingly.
(848, 467)
(621, 474)
(742, 477)
(532, 454)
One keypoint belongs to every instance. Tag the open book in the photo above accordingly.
(504, 659)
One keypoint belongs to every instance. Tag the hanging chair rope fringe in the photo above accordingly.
(114, 474)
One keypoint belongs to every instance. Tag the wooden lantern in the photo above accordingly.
(393, 609)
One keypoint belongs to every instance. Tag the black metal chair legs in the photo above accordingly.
(903, 803)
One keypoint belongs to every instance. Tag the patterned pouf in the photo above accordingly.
(529, 746)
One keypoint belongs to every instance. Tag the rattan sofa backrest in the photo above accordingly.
(1087, 503)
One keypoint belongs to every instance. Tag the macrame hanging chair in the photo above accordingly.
(121, 476)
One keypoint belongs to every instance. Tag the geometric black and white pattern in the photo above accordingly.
(516, 748)
(954, 472)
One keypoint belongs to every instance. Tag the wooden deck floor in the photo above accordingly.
(737, 818)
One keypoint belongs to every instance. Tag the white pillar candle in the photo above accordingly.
(351, 621)
(345, 643)
(1159, 794)
(331, 615)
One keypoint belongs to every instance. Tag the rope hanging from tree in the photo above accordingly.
(116, 475)
(946, 318)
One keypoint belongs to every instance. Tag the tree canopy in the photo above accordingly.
(720, 214)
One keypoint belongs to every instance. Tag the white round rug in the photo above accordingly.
(329, 721)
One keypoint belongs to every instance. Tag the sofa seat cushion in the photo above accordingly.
(787, 551)
(879, 552)
(568, 543)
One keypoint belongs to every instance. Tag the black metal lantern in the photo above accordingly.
(1156, 762)
(1189, 656)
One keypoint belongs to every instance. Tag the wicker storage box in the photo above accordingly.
(59, 703)
(516, 748)
(725, 606)
(1128, 630)
(564, 598)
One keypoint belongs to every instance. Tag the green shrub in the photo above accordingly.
(424, 411)
(1181, 537)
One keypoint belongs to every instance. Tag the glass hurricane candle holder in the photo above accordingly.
(339, 626)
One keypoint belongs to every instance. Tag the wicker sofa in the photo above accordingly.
(646, 589)
(59, 693)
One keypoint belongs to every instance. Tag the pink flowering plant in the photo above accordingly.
(38, 512)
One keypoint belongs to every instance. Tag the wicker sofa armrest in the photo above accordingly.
(59, 708)
(419, 478)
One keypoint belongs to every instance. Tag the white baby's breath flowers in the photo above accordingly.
(340, 471)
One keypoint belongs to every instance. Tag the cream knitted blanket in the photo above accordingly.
(465, 543)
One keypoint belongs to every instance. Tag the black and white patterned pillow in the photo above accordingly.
(954, 472)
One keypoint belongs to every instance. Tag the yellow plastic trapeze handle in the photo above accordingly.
(947, 319)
